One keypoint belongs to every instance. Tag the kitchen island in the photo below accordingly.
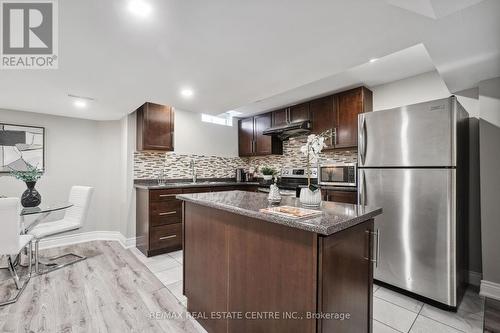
(250, 271)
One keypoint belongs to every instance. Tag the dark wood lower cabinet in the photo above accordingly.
(273, 278)
(158, 221)
(159, 217)
(346, 280)
(340, 196)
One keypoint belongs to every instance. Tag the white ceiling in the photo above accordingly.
(433, 8)
(234, 53)
(395, 66)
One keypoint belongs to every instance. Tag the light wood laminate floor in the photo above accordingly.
(111, 291)
(118, 290)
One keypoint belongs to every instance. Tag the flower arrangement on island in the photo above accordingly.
(311, 150)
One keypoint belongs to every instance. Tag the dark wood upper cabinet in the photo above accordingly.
(280, 117)
(263, 143)
(323, 116)
(340, 112)
(349, 104)
(251, 141)
(155, 127)
(245, 136)
(337, 112)
(299, 112)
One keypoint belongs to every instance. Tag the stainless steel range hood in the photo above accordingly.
(289, 130)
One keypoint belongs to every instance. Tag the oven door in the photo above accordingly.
(337, 175)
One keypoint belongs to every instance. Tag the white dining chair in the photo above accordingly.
(12, 243)
(73, 219)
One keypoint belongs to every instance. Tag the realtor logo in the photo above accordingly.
(29, 34)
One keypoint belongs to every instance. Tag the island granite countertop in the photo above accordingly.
(335, 216)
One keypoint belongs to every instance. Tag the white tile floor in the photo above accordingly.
(392, 312)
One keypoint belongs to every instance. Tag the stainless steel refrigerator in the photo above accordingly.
(413, 163)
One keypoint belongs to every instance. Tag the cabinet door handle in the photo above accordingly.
(167, 237)
(167, 213)
(376, 237)
(167, 195)
(367, 245)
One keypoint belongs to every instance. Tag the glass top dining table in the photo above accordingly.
(42, 211)
(45, 208)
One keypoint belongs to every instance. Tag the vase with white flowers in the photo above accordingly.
(311, 195)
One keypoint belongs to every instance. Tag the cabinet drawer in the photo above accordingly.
(163, 195)
(341, 196)
(224, 188)
(165, 212)
(165, 236)
(196, 190)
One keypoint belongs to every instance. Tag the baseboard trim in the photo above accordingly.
(83, 237)
(474, 278)
(490, 289)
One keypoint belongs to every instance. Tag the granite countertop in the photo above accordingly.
(335, 216)
(151, 184)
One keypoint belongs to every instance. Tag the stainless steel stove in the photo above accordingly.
(290, 179)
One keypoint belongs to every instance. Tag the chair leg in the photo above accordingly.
(52, 266)
(20, 288)
(37, 245)
(13, 272)
(30, 259)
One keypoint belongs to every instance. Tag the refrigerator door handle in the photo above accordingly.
(363, 142)
(362, 188)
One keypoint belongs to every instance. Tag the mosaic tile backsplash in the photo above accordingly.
(148, 165)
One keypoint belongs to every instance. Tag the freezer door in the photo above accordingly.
(411, 136)
(417, 229)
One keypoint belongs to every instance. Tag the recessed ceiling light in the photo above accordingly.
(187, 92)
(139, 8)
(234, 113)
(80, 103)
(373, 60)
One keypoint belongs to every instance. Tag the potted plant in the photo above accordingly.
(31, 197)
(311, 195)
(267, 172)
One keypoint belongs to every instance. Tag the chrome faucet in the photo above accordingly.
(192, 165)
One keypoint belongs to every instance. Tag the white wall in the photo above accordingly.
(78, 152)
(128, 205)
(415, 89)
(489, 128)
(192, 136)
